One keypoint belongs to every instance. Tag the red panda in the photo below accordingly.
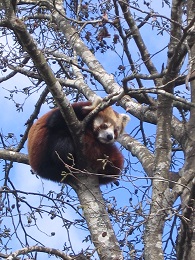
(50, 134)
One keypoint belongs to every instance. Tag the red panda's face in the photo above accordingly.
(105, 132)
(108, 125)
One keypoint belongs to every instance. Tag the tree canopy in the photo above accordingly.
(139, 57)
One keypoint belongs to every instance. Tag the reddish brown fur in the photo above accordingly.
(37, 141)
(50, 133)
(106, 159)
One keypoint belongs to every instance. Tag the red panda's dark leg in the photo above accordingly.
(105, 160)
(113, 167)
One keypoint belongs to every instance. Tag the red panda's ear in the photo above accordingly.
(123, 120)
(95, 103)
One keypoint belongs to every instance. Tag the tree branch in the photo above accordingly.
(47, 250)
(14, 156)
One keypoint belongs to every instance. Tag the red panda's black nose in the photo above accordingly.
(109, 137)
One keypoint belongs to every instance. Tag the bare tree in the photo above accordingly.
(138, 55)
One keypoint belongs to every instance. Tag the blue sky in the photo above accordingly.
(11, 120)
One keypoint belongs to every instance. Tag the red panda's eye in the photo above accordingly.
(104, 126)
(116, 130)
(115, 133)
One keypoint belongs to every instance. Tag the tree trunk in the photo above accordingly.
(186, 238)
(97, 218)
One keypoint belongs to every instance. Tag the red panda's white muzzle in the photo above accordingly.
(106, 136)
